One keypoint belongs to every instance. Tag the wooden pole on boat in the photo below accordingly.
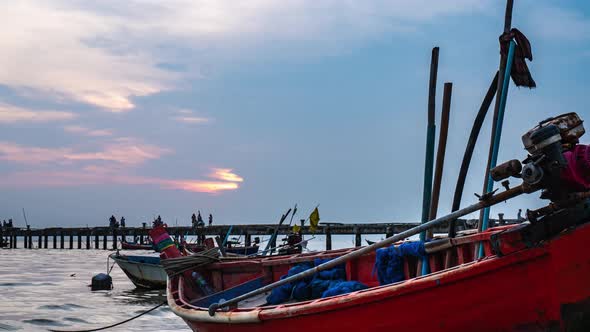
(429, 157)
(475, 129)
(442, 147)
(430, 132)
(498, 118)
(501, 197)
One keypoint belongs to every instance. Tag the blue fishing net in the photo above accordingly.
(323, 284)
(389, 261)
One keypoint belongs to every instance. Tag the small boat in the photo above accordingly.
(136, 246)
(245, 251)
(143, 271)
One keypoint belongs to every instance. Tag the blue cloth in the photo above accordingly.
(389, 261)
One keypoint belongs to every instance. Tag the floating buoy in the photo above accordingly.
(101, 281)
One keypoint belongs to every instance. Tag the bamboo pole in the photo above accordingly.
(430, 132)
(499, 92)
(442, 147)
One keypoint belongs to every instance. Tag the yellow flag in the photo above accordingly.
(296, 228)
(314, 219)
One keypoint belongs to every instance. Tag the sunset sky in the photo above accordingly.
(244, 108)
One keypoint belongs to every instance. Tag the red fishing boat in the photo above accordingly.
(517, 286)
(529, 277)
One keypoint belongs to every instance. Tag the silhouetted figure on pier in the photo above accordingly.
(194, 220)
(210, 219)
(4, 224)
(112, 221)
(200, 221)
(10, 223)
(158, 222)
(123, 222)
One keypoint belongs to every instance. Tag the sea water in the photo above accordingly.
(44, 289)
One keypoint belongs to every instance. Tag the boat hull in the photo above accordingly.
(545, 288)
(142, 273)
(135, 246)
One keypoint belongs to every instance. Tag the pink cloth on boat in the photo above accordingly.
(577, 173)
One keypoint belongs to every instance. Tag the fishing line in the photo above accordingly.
(113, 325)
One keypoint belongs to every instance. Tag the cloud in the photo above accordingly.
(105, 176)
(31, 155)
(113, 164)
(106, 54)
(190, 119)
(46, 47)
(12, 114)
(225, 174)
(123, 151)
(88, 132)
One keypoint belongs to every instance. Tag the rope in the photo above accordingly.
(175, 266)
(113, 325)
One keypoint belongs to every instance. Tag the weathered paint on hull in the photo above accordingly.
(546, 288)
(143, 275)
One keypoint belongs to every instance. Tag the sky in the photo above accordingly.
(244, 108)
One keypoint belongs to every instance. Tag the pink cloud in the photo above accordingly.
(191, 119)
(12, 114)
(105, 176)
(225, 174)
(87, 131)
(31, 155)
(124, 151)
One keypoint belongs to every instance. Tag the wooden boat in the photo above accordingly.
(136, 246)
(143, 271)
(533, 277)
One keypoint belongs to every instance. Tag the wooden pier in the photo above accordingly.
(107, 238)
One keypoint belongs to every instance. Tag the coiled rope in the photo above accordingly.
(175, 266)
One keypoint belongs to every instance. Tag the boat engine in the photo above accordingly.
(546, 144)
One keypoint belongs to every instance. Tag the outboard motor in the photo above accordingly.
(101, 281)
(546, 144)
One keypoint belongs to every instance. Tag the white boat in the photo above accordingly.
(144, 271)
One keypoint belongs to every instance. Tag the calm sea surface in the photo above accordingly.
(48, 288)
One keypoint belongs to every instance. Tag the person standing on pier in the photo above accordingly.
(200, 221)
(122, 222)
(210, 219)
(194, 220)
(112, 221)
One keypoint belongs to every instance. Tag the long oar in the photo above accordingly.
(505, 195)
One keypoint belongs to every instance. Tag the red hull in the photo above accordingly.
(546, 288)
